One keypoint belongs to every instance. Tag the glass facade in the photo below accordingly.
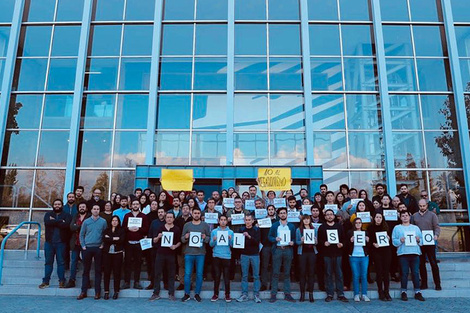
(234, 82)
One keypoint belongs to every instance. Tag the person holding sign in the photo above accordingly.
(168, 241)
(361, 209)
(238, 209)
(221, 241)
(250, 257)
(350, 205)
(194, 253)
(407, 238)
(305, 239)
(381, 254)
(266, 251)
(427, 221)
(359, 259)
(331, 238)
(282, 234)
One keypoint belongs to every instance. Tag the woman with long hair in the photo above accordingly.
(117, 202)
(163, 201)
(113, 251)
(144, 203)
(182, 196)
(360, 207)
(306, 258)
(339, 200)
(369, 205)
(359, 260)
(192, 204)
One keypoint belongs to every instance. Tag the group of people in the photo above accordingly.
(337, 238)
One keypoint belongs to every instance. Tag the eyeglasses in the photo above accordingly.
(424, 196)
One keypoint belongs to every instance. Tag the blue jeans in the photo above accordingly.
(189, 262)
(333, 267)
(359, 272)
(407, 262)
(246, 260)
(88, 255)
(74, 266)
(52, 250)
(281, 257)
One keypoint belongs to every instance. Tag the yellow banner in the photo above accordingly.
(274, 178)
(177, 180)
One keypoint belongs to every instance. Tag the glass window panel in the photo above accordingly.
(428, 40)
(328, 111)
(211, 10)
(208, 149)
(49, 185)
(2, 65)
(95, 149)
(465, 70)
(257, 105)
(335, 179)
(251, 74)
(6, 10)
(462, 34)
(135, 74)
(363, 112)
(57, 112)
(250, 9)
(251, 149)
(30, 74)
(408, 150)
(329, 149)
(324, 40)
(109, 10)
(394, 10)
(25, 111)
(178, 10)
(66, 41)
(416, 181)
(287, 149)
(323, 10)
(326, 74)
(41, 10)
(210, 74)
(177, 40)
(354, 10)
(438, 112)
(17, 186)
(284, 39)
(69, 10)
(401, 74)
(106, 40)
(62, 74)
(357, 39)
(367, 180)
(360, 74)
(20, 148)
(101, 74)
(405, 112)
(137, 40)
(129, 149)
(210, 112)
(140, 10)
(53, 147)
(366, 150)
(4, 37)
(93, 179)
(122, 182)
(397, 40)
(448, 190)
(424, 10)
(285, 74)
(99, 111)
(443, 149)
(250, 39)
(433, 75)
(286, 112)
(172, 148)
(460, 9)
(36, 42)
(284, 9)
(211, 39)
(174, 111)
(132, 112)
(175, 73)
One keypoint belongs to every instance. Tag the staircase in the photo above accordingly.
(22, 276)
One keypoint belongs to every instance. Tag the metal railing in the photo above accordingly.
(4, 241)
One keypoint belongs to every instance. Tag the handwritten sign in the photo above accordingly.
(265, 223)
(134, 222)
(177, 179)
(238, 219)
(360, 238)
(250, 205)
(274, 178)
(145, 243)
(279, 203)
(364, 216)
(391, 215)
(306, 209)
(222, 238)
(410, 239)
(332, 236)
(229, 203)
(167, 239)
(309, 236)
(382, 239)
(333, 207)
(428, 237)
(211, 218)
(293, 216)
(238, 241)
(195, 239)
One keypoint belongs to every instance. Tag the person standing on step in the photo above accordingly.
(75, 246)
(307, 257)
(359, 260)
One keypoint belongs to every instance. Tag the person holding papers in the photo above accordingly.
(331, 238)
(212, 220)
(305, 239)
(221, 241)
(361, 208)
(350, 205)
(168, 241)
(136, 226)
(236, 223)
(359, 259)
(266, 251)
(428, 223)
(407, 238)
(195, 234)
(381, 253)
(282, 235)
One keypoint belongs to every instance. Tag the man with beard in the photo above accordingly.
(79, 195)
(96, 199)
(71, 206)
(408, 199)
(123, 210)
(267, 250)
(180, 221)
(150, 255)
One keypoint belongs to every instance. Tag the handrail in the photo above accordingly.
(2, 249)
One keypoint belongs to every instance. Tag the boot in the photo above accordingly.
(310, 297)
(381, 296)
(302, 297)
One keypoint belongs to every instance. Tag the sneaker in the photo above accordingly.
(70, 284)
(328, 299)
(228, 299)
(404, 296)
(44, 285)
(257, 299)
(365, 298)
(243, 298)
(186, 297)
(343, 299)
(155, 296)
(214, 298)
(197, 298)
(62, 284)
(272, 299)
(357, 299)
(419, 296)
(289, 298)
(387, 296)
(172, 298)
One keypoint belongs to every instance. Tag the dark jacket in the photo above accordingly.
(273, 233)
(108, 241)
(410, 202)
(372, 230)
(90, 203)
(61, 221)
(75, 228)
(350, 245)
(251, 244)
(142, 232)
(332, 250)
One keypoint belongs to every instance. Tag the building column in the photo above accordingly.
(230, 81)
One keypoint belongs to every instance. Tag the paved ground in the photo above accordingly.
(68, 304)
